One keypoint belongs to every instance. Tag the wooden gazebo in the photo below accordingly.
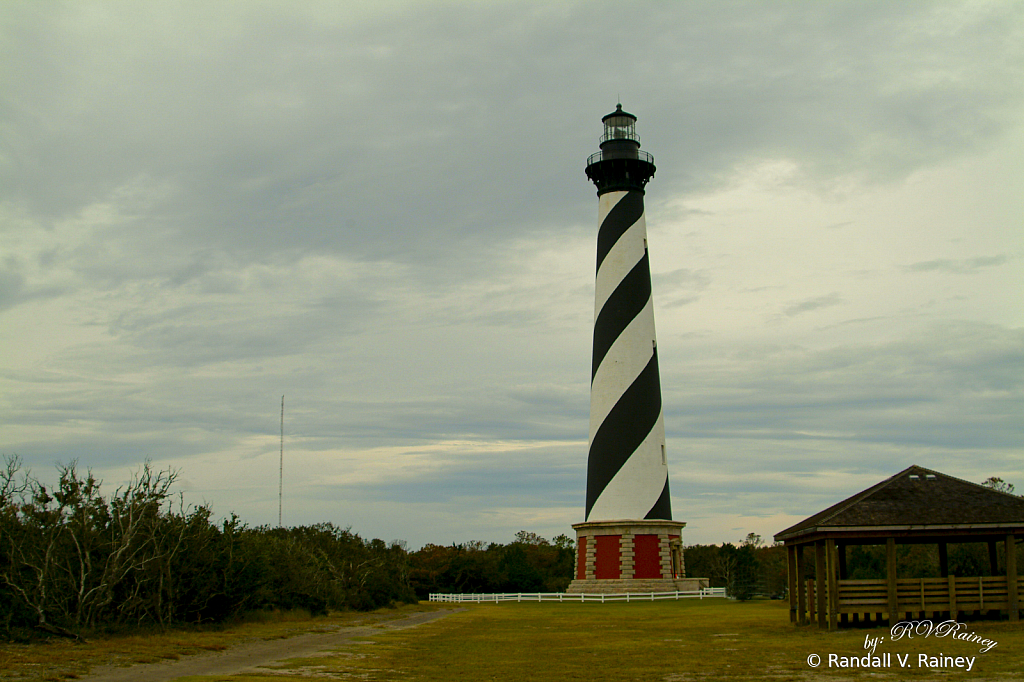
(917, 505)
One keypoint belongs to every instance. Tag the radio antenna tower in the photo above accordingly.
(280, 471)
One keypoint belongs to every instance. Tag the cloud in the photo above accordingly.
(256, 118)
(964, 266)
(953, 386)
(11, 284)
(813, 304)
(380, 211)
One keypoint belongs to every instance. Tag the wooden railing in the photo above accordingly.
(950, 594)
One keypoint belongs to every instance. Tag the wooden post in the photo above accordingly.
(801, 604)
(832, 566)
(811, 612)
(1011, 577)
(844, 619)
(890, 580)
(791, 581)
(841, 549)
(993, 563)
(821, 583)
(952, 596)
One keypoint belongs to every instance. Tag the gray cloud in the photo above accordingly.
(381, 212)
(953, 386)
(965, 266)
(260, 122)
(813, 304)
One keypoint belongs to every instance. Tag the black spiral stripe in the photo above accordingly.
(662, 509)
(625, 303)
(623, 430)
(635, 407)
(622, 217)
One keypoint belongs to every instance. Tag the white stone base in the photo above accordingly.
(636, 586)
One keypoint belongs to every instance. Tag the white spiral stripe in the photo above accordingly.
(626, 253)
(606, 202)
(638, 484)
(622, 364)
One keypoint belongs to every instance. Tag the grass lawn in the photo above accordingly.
(704, 640)
(62, 659)
(686, 640)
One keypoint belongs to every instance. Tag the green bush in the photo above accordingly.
(72, 560)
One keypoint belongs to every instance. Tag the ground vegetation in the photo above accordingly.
(671, 641)
(750, 568)
(528, 564)
(73, 560)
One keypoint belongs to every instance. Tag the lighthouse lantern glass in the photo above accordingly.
(620, 128)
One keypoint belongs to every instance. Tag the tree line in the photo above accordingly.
(529, 564)
(750, 568)
(73, 560)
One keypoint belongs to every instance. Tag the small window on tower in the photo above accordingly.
(663, 460)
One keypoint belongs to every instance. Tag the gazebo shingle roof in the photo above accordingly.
(916, 497)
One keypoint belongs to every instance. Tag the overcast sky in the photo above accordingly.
(379, 210)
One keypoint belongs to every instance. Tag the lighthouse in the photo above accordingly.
(628, 540)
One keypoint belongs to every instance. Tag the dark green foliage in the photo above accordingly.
(704, 561)
(745, 569)
(865, 562)
(750, 569)
(922, 560)
(72, 560)
(516, 573)
(529, 564)
(969, 560)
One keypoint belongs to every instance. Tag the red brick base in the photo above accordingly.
(624, 550)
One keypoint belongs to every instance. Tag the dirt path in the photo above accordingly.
(252, 656)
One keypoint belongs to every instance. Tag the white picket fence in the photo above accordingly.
(575, 598)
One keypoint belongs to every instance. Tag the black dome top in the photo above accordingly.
(618, 112)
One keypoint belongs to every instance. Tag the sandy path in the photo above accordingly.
(251, 656)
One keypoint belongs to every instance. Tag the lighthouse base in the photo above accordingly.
(630, 555)
(636, 586)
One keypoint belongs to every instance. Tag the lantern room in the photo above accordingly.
(620, 165)
(620, 125)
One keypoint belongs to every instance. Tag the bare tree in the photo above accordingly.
(35, 528)
(999, 484)
(67, 552)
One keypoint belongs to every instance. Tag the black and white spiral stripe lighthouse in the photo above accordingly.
(628, 533)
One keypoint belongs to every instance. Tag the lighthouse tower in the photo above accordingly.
(628, 540)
